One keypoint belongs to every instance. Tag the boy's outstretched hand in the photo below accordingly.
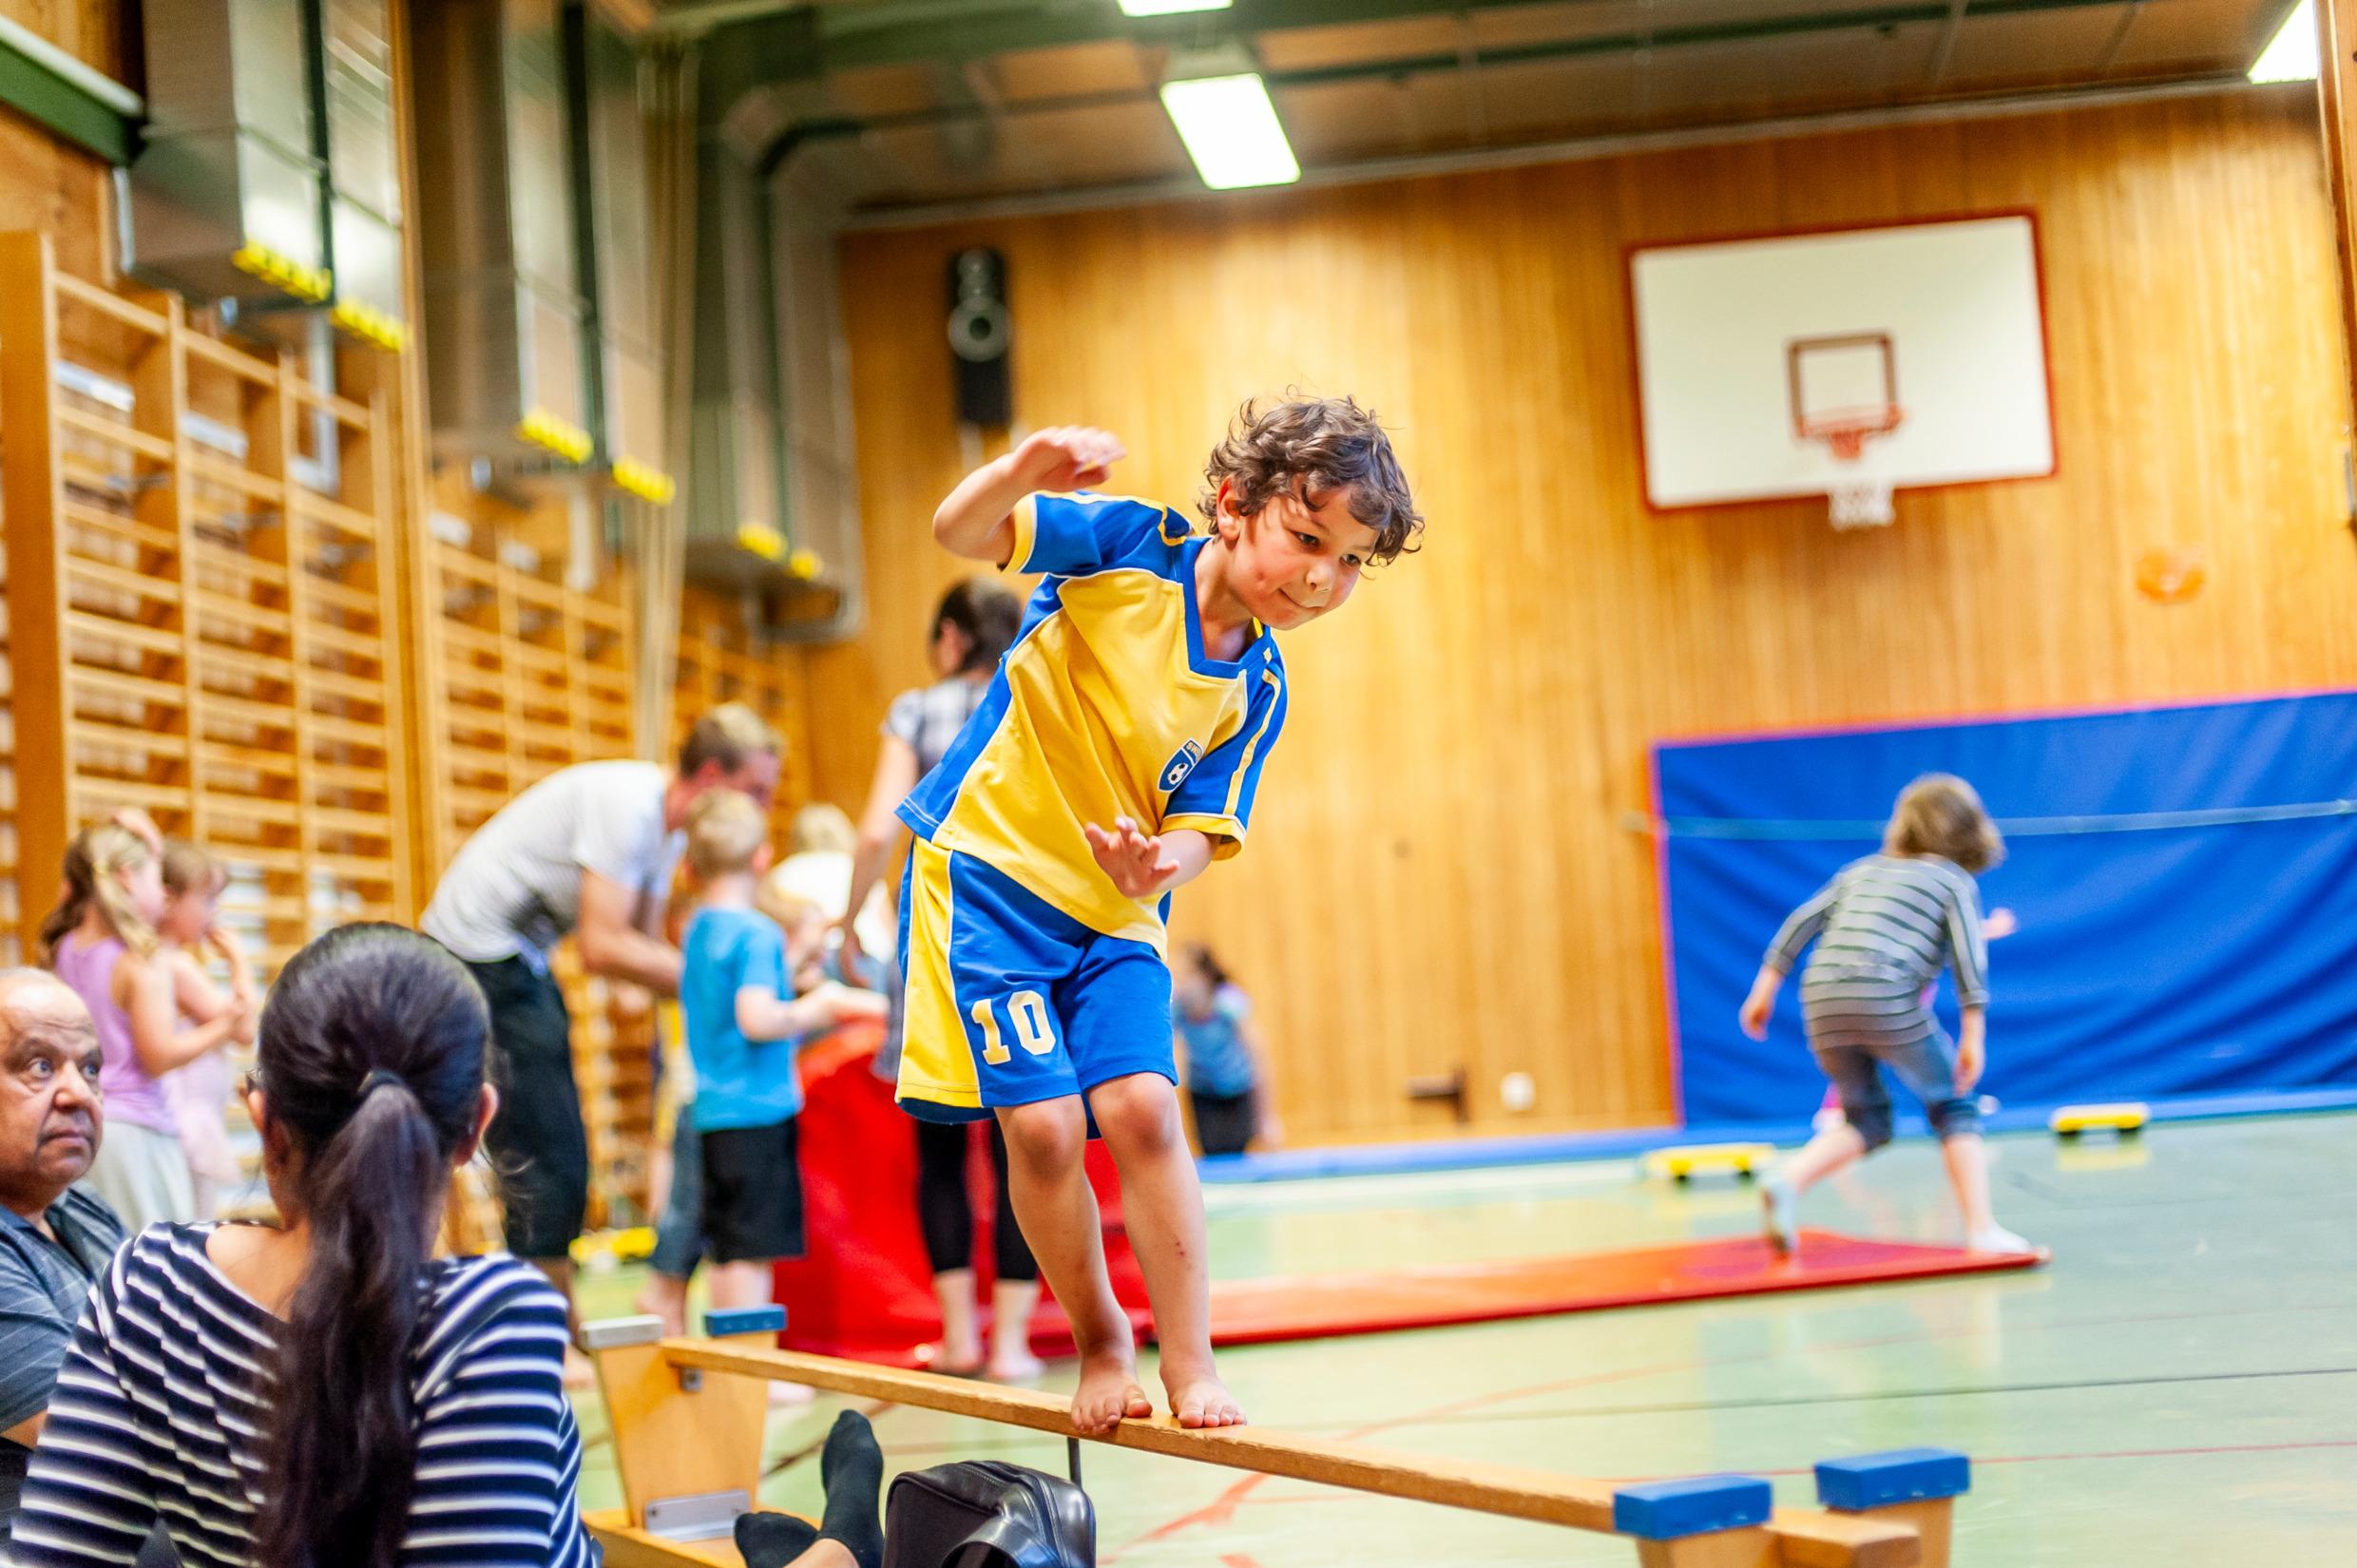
(1066, 457)
(845, 1003)
(1133, 859)
(1971, 1059)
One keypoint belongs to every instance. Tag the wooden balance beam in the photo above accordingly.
(688, 1447)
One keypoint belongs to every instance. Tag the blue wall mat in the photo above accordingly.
(2177, 958)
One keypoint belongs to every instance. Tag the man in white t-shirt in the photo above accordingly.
(587, 851)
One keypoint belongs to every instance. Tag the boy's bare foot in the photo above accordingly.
(1202, 1401)
(1108, 1391)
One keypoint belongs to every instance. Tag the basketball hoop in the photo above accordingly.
(1857, 502)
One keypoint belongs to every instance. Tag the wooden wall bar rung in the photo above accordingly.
(130, 530)
(99, 574)
(352, 416)
(81, 423)
(356, 524)
(244, 612)
(336, 596)
(221, 471)
(138, 317)
(154, 742)
(236, 362)
(277, 764)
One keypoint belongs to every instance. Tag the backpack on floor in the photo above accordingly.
(984, 1514)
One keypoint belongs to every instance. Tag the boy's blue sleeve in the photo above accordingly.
(1075, 535)
(761, 959)
(1217, 798)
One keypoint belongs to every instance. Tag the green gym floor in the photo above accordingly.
(2178, 1386)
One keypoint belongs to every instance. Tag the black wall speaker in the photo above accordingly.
(979, 332)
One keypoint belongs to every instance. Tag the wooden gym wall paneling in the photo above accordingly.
(47, 185)
(50, 185)
(721, 662)
(93, 31)
(1444, 872)
(201, 619)
(525, 673)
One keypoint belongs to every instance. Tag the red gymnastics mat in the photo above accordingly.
(862, 1290)
(1257, 1311)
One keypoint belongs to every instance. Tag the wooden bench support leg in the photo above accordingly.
(687, 1443)
(1912, 1486)
(1719, 1549)
(1707, 1521)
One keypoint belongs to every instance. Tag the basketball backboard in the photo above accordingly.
(1850, 360)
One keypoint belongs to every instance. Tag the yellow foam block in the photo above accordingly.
(1679, 1164)
(2126, 1116)
(611, 1247)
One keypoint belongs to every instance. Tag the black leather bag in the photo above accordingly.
(983, 1513)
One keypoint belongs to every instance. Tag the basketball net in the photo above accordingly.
(1860, 503)
(1856, 502)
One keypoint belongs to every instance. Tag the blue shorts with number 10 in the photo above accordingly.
(1011, 1000)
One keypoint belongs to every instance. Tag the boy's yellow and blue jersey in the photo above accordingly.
(1107, 706)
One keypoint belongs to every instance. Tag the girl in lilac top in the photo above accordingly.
(101, 942)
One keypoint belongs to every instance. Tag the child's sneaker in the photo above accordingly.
(1775, 1216)
(1998, 1240)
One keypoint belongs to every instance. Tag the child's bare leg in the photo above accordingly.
(1044, 1144)
(751, 1283)
(1139, 1115)
(961, 1346)
(742, 1284)
(1011, 1303)
(665, 1297)
(1779, 1195)
(1824, 1154)
(1968, 1172)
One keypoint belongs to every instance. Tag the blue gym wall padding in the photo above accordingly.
(2186, 879)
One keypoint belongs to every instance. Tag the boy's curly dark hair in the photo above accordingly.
(1323, 444)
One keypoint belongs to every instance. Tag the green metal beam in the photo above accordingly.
(1919, 13)
(42, 94)
(811, 41)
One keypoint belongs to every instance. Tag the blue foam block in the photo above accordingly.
(745, 1319)
(1902, 1475)
(1665, 1510)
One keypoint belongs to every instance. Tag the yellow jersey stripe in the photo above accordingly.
(1243, 765)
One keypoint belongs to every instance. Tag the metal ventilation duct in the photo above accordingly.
(364, 169)
(225, 197)
(504, 312)
(772, 502)
(616, 266)
(736, 534)
(821, 478)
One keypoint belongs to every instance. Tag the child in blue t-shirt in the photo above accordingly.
(1226, 1069)
(743, 1022)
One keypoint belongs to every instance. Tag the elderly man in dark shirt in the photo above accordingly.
(55, 1238)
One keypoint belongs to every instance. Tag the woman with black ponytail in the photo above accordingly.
(323, 1393)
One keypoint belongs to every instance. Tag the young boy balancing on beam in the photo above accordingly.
(1115, 757)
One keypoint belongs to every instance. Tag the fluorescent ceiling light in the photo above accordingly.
(1231, 131)
(2291, 55)
(1170, 7)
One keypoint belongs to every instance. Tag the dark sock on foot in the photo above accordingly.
(851, 1466)
(771, 1540)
